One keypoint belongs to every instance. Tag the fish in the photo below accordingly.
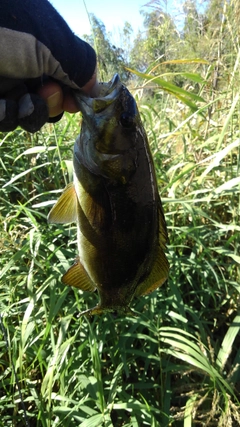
(114, 199)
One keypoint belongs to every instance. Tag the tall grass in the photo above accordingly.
(177, 363)
(178, 360)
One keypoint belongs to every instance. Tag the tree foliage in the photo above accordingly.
(155, 43)
(111, 59)
(209, 30)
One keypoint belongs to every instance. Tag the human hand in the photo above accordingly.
(60, 99)
(40, 65)
(47, 104)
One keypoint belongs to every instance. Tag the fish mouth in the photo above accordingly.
(108, 93)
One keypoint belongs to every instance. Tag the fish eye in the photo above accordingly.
(126, 120)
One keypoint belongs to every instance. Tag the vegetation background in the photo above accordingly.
(177, 363)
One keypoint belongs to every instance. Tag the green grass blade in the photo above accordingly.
(227, 344)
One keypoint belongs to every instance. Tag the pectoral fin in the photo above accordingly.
(157, 277)
(77, 277)
(65, 210)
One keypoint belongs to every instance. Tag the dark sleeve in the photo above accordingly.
(35, 40)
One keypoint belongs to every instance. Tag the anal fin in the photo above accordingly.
(77, 277)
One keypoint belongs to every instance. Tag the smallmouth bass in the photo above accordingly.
(114, 200)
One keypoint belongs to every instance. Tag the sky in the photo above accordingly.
(112, 13)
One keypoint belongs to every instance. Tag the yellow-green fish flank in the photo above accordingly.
(114, 200)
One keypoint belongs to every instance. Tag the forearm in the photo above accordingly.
(41, 60)
(35, 40)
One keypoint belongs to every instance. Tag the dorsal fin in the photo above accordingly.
(157, 277)
(160, 269)
(163, 235)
